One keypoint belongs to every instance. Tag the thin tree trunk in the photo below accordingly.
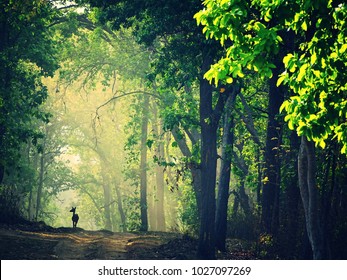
(151, 206)
(244, 200)
(107, 207)
(143, 166)
(105, 174)
(309, 196)
(224, 179)
(159, 175)
(29, 209)
(120, 209)
(292, 197)
(194, 168)
(40, 185)
(259, 182)
(160, 191)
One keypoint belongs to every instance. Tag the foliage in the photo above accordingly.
(99, 52)
(315, 71)
(9, 206)
(27, 53)
(188, 217)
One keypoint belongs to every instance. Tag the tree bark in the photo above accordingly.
(309, 196)
(105, 174)
(272, 178)
(41, 178)
(107, 205)
(120, 209)
(159, 175)
(194, 168)
(206, 247)
(160, 191)
(143, 166)
(209, 120)
(224, 179)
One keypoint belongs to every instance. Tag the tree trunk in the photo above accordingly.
(40, 185)
(209, 120)
(121, 210)
(107, 206)
(271, 186)
(159, 175)
(309, 196)
(224, 179)
(194, 168)
(259, 178)
(206, 247)
(291, 198)
(31, 192)
(105, 174)
(160, 191)
(143, 166)
(151, 206)
(244, 200)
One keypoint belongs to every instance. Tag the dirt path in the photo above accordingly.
(67, 243)
(42, 242)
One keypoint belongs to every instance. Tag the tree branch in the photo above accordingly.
(123, 95)
(247, 118)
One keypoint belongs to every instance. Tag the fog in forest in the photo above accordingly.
(218, 124)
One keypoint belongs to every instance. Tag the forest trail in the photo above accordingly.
(41, 242)
(68, 243)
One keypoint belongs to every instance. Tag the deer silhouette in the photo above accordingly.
(74, 217)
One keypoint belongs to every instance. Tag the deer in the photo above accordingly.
(74, 217)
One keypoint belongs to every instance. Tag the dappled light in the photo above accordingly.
(173, 129)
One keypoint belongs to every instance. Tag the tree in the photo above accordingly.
(190, 56)
(225, 171)
(26, 51)
(143, 164)
(314, 69)
(112, 59)
(159, 173)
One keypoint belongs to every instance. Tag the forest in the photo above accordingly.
(214, 124)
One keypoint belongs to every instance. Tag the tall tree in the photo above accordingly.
(225, 171)
(27, 50)
(159, 173)
(314, 68)
(143, 164)
(190, 56)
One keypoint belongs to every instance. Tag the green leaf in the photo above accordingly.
(224, 20)
(280, 80)
(268, 15)
(284, 106)
(240, 74)
(291, 125)
(229, 80)
(322, 144)
(313, 58)
(304, 26)
(302, 72)
(334, 55)
(343, 48)
(287, 58)
(149, 143)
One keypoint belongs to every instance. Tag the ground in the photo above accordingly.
(37, 241)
